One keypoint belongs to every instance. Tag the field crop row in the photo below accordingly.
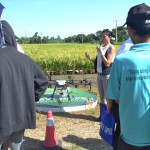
(61, 57)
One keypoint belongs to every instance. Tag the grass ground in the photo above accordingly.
(74, 130)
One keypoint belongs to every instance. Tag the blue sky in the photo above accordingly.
(65, 17)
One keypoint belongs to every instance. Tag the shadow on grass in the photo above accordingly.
(75, 115)
(34, 144)
(87, 143)
(31, 144)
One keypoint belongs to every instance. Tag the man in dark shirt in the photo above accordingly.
(22, 83)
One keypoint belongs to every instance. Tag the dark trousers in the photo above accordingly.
(115, 112)
(124, 146)
(16, 141)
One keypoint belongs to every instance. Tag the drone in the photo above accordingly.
(61, 87)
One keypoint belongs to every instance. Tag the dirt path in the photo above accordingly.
(75, 130)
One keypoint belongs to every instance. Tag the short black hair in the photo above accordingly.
(141, 29)
(109, 33)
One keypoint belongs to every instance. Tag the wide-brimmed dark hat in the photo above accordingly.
(139, 14)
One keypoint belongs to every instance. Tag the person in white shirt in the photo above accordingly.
(125, 46)
(104, 59)
(20, 48)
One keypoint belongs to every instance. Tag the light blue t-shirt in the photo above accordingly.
(130, 84)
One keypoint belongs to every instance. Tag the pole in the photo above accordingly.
(116, 31)
(25, 37)
(82, 37)
(41, 38)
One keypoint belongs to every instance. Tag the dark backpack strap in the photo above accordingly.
(106, 70)
(95, 64)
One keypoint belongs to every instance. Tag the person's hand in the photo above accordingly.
(109, 108)
(109, 105)
(87, 56)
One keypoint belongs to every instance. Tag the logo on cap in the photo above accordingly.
(147, 21)
(139, 14)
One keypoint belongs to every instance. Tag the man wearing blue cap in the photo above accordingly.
(129, 83)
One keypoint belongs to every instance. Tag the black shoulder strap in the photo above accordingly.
(107, 51)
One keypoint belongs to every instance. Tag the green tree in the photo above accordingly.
(121, 33)
(45, 39)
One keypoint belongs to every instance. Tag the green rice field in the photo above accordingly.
(59, 58)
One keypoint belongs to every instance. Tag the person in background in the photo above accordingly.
(125, 47)
(22, 83)
(104, 59)
(129, 83)
(20, 48)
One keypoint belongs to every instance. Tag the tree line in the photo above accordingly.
(121, 35)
